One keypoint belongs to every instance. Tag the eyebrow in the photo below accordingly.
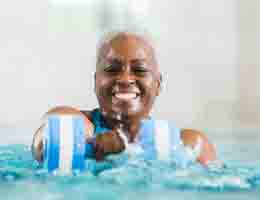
(132, 61)
(138, 60)
(113, 59)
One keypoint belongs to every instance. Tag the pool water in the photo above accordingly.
(22, 178)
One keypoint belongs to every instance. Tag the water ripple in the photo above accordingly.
(29, 180)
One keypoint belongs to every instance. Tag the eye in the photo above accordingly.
(140, 71)
(113, 67)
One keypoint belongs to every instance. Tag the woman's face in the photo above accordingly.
(127, 79)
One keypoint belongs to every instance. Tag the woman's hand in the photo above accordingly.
(207, 152)
(108, 143)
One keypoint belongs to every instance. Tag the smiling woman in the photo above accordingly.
(127, 79)
(208, 50)
(127, 82)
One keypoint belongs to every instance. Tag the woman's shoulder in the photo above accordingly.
(90, 113)
(87, 113)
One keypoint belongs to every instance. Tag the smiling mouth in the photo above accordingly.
(126, 95)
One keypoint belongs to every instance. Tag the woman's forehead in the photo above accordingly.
(127, 46)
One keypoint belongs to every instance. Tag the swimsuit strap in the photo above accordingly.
(99, 122)
(99, 128)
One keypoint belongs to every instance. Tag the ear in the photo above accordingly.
(159, 84)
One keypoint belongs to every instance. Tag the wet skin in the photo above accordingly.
(127, 82)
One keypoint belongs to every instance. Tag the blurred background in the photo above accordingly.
(208, 51)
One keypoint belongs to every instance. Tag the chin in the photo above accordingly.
(128, 112)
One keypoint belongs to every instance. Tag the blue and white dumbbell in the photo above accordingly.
(161, 140)
(64, 144)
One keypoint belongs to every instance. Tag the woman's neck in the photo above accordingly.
(128, 125)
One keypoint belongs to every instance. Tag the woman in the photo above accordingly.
(127, 82)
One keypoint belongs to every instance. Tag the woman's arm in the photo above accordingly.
(193, 138)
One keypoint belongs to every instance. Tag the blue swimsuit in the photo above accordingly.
(158, 139)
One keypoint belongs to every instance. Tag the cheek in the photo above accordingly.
(100, 83)
(150, 86)
(149, 95)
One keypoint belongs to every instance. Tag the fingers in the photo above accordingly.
(99, 152)
(108, 143)
(37, 144)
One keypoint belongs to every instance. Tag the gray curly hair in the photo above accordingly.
(107, 36)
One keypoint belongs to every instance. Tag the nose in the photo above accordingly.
(126, 78)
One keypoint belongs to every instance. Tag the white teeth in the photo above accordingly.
(125, 95)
